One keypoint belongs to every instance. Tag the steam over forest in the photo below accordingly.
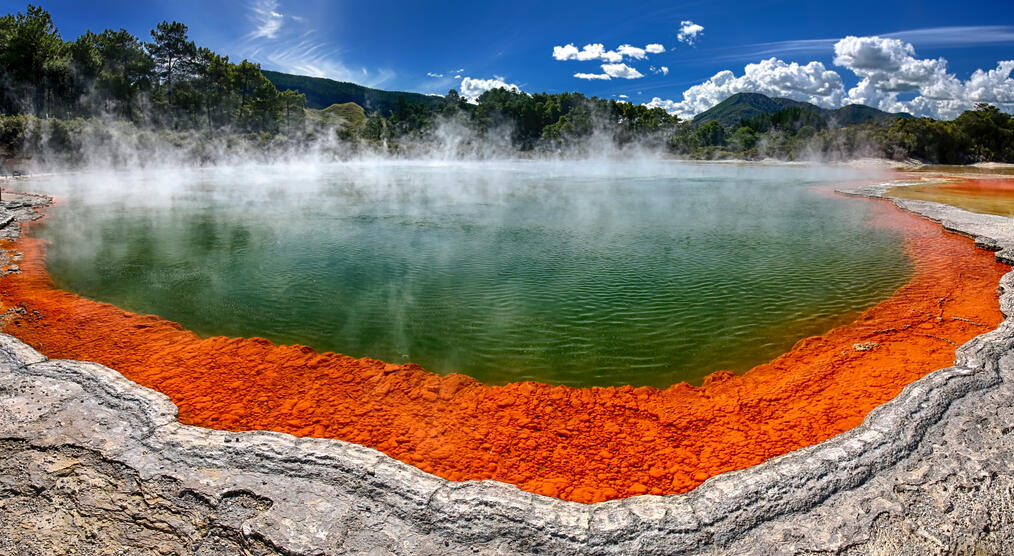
(113, 98)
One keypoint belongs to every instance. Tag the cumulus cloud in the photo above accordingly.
(621, 71)
(890, 64)
(631, 51)
(670, 106)
(994, 86)
(888, 67)
(568, 52)
(431, 74)
(609, 71)
(266, 19)
(773, 77)
(472, 88)
(664, 70)
(689, 31)
(595, 51)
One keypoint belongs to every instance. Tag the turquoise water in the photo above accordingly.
(570, 273)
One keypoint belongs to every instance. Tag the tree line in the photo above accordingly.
(167, 81)
(555, 122)
(983, 134)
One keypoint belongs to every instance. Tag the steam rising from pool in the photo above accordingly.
(582, 273)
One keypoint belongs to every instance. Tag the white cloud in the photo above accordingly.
(592, 76)
(305, 56)
(773, 77)
(689, 31)
(624, 96)
(472, 88)
(888, 67)
(631, 51)
(962, 36)
(994, 86)
(431, 74)
(670, 106)
(595, 51)
(664, 70)
(890, 64)
(266, 19)
(290, 44)
(621, 71)
(568, 52)
(872, 53)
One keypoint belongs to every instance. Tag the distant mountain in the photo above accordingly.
(743, 106)
(321, 93)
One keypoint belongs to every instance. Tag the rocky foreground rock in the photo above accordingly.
(93, 463)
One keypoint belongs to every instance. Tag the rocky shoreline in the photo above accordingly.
(97, 463)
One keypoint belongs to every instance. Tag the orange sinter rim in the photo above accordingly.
(580, 444)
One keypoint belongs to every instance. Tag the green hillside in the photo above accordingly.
(347, 116)
(744, 106)
(321, 93)
(860, 114)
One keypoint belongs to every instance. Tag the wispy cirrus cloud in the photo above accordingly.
(955, 37)
(449, 74)
(288, 43)
(266, 19)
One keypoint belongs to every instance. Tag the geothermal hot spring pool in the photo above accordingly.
(582, 274)
(593, 303)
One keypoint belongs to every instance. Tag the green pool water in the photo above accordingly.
(643, 273)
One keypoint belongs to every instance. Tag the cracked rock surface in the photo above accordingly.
(96, 464)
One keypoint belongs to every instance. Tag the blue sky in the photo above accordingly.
(915, 56)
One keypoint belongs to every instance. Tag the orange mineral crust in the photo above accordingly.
(985, 195)
(581, 444)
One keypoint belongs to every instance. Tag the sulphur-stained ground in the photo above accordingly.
(95, 464)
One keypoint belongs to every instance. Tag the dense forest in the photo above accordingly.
(113, 98)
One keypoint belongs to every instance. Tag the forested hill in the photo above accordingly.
(746, 106)
(321, 93)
